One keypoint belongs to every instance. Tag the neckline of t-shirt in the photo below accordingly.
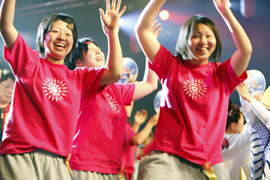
(52, 64)
(194, 65)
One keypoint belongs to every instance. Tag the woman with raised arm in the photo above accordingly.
(196, 94)
(100, 133)
(39, 130)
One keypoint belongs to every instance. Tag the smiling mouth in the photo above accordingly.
(60, 45)
(99, 59)
(202, 49)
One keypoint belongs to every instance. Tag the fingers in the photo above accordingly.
(114, 7)
(113, 4)
(144, 112)
(101, 13)
(122, 11)
(156, 28)
(118, 5)
(157, 33)
(108, 6)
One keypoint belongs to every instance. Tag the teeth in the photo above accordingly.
(60, 45)
(202, 49)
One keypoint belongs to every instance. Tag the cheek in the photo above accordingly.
(70, 41)
(46, 40)
(213, 43)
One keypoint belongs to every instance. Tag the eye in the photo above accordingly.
(54, 31)
(195, 36)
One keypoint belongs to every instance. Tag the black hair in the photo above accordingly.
(46, 25)
(186, 32)
(234, 114)
(80, 47)
(6, 74)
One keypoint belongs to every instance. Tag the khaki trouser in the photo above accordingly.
(35, 165)
(162, 166)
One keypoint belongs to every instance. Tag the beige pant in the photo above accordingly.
(36, 165)
(88, 175)
(162, 166)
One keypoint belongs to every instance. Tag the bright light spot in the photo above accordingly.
(164, 15)
(230, 4)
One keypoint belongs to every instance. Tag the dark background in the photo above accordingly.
(85, 12)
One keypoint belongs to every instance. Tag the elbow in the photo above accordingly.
(138, 30)
(248, 51)
(116, 78)
(136, 142)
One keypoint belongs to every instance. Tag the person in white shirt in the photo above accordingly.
(257, 117)
(236, 145)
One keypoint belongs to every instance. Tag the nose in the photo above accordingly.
(203, 40)
(61, 36)
(98, 51)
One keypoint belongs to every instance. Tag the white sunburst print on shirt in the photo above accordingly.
(114, 104)
(194, 88)
(54, 89)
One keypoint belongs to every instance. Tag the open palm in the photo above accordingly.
(111, 18)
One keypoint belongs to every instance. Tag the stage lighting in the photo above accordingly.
(247, 8)
(164, 15)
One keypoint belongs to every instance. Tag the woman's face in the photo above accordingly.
(58, 42)
(201, 44)
(6, 91)
(94, 57)
(240, 125)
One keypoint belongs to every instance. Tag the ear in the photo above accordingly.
(233, 126)
(79, 63)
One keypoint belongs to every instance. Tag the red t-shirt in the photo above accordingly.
(147, 149)
(46, 101)
(193, 107)
(128, 152)
(100, 133)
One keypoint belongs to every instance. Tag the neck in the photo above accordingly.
(229, 131)
(3, 105)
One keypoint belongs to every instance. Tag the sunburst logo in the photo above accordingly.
(54, 89)
(194, 88)
(114, 104)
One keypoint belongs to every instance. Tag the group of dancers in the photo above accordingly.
(67, 118)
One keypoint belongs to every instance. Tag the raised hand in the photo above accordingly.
(221, 5)
(140, 117)
(132, 79)
(110, 20)
(243, 92)
(154, 119)
(156, 28)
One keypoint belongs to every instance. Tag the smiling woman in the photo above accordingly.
(193, 79)
(45, 98)
(58, 42)
(7, 80)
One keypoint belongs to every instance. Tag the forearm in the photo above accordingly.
(248, 113)
(150, 76)
(145, 36)
(141, 136)
(149, 14)
(8, 31)
(261, 112)
(242, 55)
(147, 86)
(115, 57)
(136, 127)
